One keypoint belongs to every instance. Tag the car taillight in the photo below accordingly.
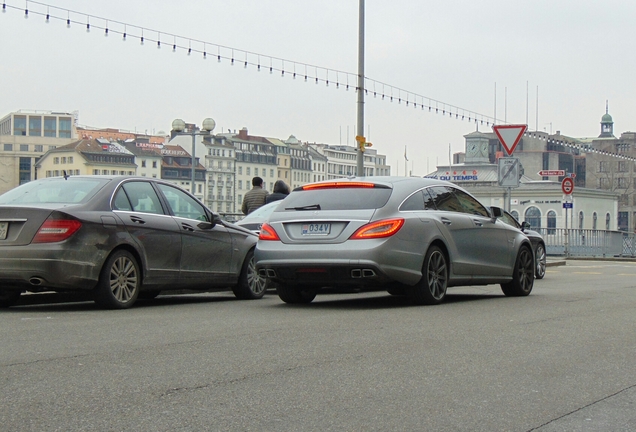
(379, 229)
(55, 230)
(267, 233)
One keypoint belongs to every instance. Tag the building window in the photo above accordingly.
(622, 221)
(622, 183)
(65, 127)
(581, 220)
(551, 222)
(50, 127)
(8, 147)
(603, 166)
(247, 171)
(56, 160)
(24, 147)
(240, 171)
(40, 148)
(533, 217)
(70, 159)
(35, 126)
(607, 221)
(603, 183)
(143, 164)
(594, 218)
(255, 171)
(154, 164)
(622, 166)
(19, 125)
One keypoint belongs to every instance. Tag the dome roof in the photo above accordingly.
(606, 118)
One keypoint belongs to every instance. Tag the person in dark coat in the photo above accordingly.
(281, 190)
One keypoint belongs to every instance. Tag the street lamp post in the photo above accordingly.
(179, 126)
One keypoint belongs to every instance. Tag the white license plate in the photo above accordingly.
(316, 229)
(4, 227)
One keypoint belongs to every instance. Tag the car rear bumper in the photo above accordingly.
(48, 269)
(364, 266)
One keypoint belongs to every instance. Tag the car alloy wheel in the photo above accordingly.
(119, 283)
(522, 276)
(540, 261)
(431, 289)
(251, 285)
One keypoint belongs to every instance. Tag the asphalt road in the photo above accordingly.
(562, 359)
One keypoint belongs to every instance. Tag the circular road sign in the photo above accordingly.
(567, 185)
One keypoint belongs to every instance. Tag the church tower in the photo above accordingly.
(607, 125)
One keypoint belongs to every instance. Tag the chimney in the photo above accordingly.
(243, 133)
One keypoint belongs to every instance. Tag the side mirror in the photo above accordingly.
(496, 212)
(525, 225)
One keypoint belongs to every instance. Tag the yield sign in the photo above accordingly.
(509, 135)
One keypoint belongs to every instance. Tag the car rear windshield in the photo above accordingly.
(336, 199)
(59, 191)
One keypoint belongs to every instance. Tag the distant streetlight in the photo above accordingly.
(179, 126)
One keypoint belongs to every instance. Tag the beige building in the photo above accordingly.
(25, 136)
(87, 157)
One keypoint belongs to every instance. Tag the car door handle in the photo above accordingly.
(477, 222)
(138, 220)
(446, 221)
(187, 227)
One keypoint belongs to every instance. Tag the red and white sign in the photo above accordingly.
(567, 185)
(509, 136)
(551, 173)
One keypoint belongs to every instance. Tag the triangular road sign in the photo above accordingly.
(509, 136)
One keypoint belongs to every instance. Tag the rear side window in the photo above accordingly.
(336, 199)
(142, 197)
(420, 200)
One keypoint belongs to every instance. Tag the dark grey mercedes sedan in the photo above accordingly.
(121, 238)
(405, 235)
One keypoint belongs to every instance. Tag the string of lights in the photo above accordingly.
(578, 146)
(234, 56)
(262, 62)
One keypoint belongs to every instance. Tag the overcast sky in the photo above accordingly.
(492, 57)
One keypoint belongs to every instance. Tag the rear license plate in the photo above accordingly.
(4, 227)
(316, 229)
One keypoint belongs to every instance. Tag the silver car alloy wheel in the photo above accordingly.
(525, 270)
(123, 279)
(437, 276)
(256, 283)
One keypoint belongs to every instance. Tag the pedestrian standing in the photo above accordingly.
(281, 190)
(255, 197)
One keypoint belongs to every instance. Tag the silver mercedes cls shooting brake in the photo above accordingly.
(406, 235)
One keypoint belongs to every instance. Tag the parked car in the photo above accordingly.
(405, 235)
(254, 220)
(120, 237)
(538, 245)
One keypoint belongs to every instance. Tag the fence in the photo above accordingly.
(588, 243)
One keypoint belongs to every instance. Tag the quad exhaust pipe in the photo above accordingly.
(362, 273)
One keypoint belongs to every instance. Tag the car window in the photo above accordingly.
(509, 219)
(337, 199)
(121, 201)
(183, 205)
(142, 196)
(470, 204)
(58, 191)
(420, 200)
(445, 199)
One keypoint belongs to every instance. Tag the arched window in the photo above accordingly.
(607, 221)
(580, 220)
(551, 222)
(515, 214)
(594, 217)
(533, 217)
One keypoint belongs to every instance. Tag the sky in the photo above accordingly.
(551, 64)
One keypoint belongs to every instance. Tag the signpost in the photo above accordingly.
(509, 136)
(551, 173)
(567, 186)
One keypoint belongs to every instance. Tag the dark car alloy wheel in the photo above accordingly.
(540, 261)
(523, 275)
(119, 283)
(251, 285)
(431, 289)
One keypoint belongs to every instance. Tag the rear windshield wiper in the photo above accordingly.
(307, 207)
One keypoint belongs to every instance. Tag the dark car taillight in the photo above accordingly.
(56, 230)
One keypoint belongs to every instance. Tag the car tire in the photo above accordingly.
(119, 282)
(431, 289)
(540, 259)
(9, 298)
(292, 294)
(522, 275)
(251, 285)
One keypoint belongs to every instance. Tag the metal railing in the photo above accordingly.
(588, 243)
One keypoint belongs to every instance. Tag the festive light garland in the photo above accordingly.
(284, 67)
(276, 64)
